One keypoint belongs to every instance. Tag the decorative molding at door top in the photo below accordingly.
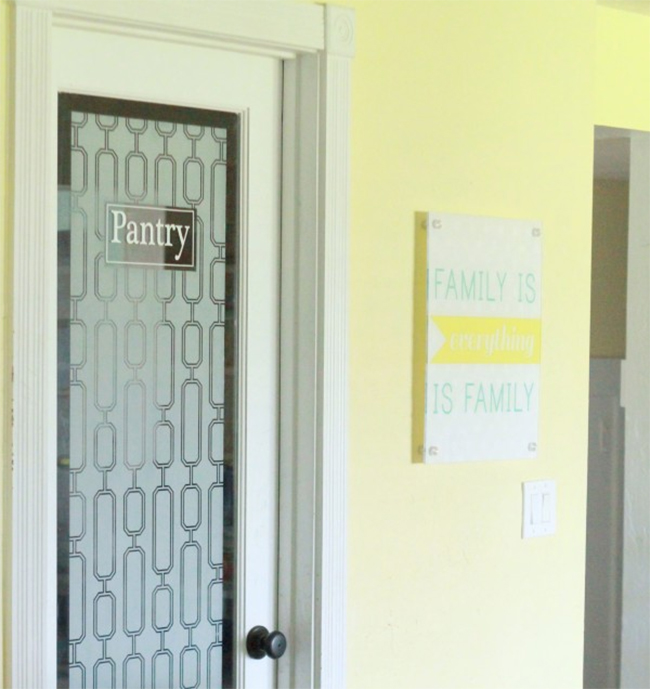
(339, 31)
(274, 28)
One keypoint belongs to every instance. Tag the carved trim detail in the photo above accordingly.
(339, 31)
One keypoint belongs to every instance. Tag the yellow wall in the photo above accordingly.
(609, 268)
(484, 108)
(623, 67)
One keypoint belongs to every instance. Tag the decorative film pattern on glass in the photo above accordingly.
(146, 413)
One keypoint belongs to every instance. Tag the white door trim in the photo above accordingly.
(317, 43)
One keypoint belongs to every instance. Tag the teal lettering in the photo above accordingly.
(501, 278)
(451, 285)
(529, 392)
(472, 285)
(498, 398)
(467, 287)
(527, 288)
(437, 280)
(442, 398)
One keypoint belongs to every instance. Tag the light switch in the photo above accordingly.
(538, 517)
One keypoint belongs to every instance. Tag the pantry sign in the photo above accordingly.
(150, 236)
(483, 338)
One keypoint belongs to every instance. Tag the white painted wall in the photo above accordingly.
(635, 637)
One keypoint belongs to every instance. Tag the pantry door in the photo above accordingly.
(168, 317)
(97, 48)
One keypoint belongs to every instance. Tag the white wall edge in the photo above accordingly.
(635, 632)
(322, 41)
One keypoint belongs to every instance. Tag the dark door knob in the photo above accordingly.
(260, 642)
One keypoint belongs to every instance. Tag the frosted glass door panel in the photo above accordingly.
(146, 385)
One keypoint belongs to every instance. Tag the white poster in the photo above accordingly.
(483, 338)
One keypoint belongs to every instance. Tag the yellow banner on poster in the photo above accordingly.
(472, 340)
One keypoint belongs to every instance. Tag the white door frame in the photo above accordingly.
(317, 43)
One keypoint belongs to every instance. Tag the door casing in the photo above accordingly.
(317, 44)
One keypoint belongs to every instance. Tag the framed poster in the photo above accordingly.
(478, 338)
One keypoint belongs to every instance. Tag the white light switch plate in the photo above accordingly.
(538, 517)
